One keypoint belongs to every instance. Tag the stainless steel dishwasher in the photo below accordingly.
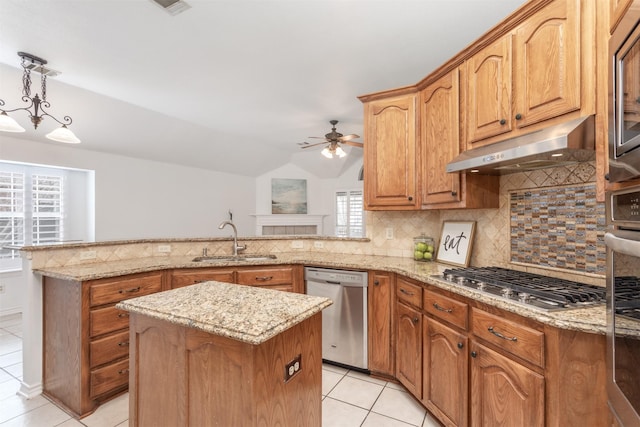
(344, 323)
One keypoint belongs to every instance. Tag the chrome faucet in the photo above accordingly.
(236, 246)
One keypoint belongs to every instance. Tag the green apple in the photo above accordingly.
(429, 248)
(418, 255)
(428, 256)
(422, 247)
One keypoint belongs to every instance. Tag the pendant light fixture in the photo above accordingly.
(37, 106)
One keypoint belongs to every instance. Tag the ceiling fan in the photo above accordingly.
(334, 139)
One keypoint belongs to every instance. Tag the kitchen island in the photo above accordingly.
(223, 354)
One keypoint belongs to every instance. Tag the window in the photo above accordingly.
(349, 213)
(30, 199)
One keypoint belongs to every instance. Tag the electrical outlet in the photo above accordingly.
(85, 255)
(389, 233)
(297, 244)
(165, 249)
(292, 368)
(318, 245)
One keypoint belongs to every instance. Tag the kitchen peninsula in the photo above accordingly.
(221, 354)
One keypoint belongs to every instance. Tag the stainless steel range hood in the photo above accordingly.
(566, 143)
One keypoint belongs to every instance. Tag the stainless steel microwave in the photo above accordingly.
(624, 97)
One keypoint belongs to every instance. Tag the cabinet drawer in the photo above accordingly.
(265, 276)
(108, 319)
(450, 310)
(109, 378)
(109, 348)
(117, 290)
(191, 277)
(409, 292)
(519, 340)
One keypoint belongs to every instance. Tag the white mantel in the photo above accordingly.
(288, 220)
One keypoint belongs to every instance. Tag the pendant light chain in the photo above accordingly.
(43, 87)
(26, 80)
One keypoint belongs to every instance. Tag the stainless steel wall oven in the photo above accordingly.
(623, 305)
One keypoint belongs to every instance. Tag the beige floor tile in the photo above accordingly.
(400, 405)
(110, 414)
(377, 420)
(9, 388)
(48, 415)
(356, 392)
(340, 414)
(9, 359)
(329, 380)
(367, 378)
(15, 406)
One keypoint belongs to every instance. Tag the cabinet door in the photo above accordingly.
(548, 59)
(390, 154)
(380, 322)
(503, 392)
(488, 92)
(617, 8)
(409, 349)
(440, 142)
(445, 372)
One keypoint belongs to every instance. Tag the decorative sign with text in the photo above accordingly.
(456, 241)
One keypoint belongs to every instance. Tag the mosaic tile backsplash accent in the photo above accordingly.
(561, 227)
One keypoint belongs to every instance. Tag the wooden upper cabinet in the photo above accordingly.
(389, 153)
(440, 142)
(489, 91)
(548, 59)
(617, 8)
(533, 76)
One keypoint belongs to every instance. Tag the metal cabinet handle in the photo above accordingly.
(415, 320)
(129, 291)
(518, 116)
(454, 193)
(460, 345)
(263, 278)
(503, 122)
(446, 310)
(410, 198)
(474, 354)
(121, 315)
(499, 335)
(406, 292)
(123, 371)
(376, 282)
(123, 344)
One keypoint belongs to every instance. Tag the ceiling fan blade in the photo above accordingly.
(313, 145)
(348, 137)
(316, 137)
(353, 143)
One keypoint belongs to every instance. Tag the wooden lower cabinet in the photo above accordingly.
(409, 348)
(191, 276)
(446, 372)
(503, 392)
(86, 339)
(381, 322)
(209, 380)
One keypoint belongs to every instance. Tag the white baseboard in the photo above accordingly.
(30, 391)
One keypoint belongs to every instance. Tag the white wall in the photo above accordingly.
(136, 198)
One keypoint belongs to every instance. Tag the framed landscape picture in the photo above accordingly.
(288, 196)
(456, 240)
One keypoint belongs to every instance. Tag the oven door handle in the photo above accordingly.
(623, 241)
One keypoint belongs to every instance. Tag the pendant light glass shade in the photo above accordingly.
(63, 134)
(340, 152)
(327, 153)
(8, 124)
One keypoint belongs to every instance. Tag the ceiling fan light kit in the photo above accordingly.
(334, 139)
(8, 124)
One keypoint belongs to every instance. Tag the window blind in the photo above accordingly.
(12, 212)
(349, 213)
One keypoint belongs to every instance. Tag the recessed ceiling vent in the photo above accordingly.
(173, 7)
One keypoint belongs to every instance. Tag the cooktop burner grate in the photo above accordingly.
(547, 293)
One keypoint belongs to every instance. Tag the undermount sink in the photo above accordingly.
(231, 258)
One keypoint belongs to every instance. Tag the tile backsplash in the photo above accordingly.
(493, 237)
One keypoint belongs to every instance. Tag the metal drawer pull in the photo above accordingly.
(499, 335)
(124, 344)
(263, 278)
(446, 310)
(129, 291)
(406, 292)
(123, 371)
(123, 315)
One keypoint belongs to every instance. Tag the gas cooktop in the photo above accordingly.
(628, 296)
(533, 290)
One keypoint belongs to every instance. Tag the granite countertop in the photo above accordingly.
(591, 319)
(244, 313)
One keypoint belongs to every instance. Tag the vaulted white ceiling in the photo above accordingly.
(228, 85)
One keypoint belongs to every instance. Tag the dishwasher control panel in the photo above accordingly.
(355, 278)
